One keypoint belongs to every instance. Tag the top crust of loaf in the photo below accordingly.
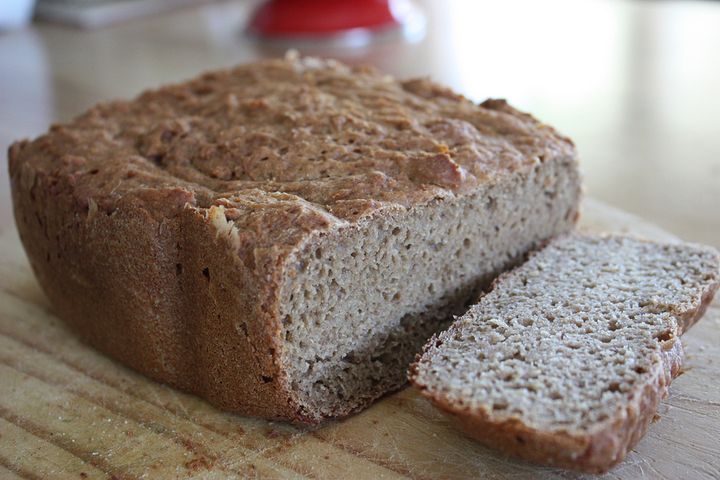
(286, 147)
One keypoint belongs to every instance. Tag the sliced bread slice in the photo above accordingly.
(565, 360)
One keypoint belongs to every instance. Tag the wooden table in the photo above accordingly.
(637, 85)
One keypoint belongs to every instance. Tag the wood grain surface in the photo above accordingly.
(68, 412)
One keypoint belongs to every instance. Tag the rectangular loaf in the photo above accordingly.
(282, 237)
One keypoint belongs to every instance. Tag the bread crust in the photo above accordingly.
(199, 320)
(160, 228)
(596, 452)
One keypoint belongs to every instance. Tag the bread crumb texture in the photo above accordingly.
(564, 344)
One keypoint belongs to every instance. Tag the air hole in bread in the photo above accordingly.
(664, 336)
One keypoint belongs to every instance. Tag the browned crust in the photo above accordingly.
(594, 453)
(687, 319)
(200, 320)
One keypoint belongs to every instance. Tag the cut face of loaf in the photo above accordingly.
(281, 238)
(358, 305)
(565, 360)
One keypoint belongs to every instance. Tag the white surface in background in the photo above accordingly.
(100, 13)
(15, 13)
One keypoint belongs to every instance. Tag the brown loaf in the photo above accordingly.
(281, 238)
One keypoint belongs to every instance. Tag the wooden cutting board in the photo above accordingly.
(68, 412)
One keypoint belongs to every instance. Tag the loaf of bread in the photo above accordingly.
(565, 360)
(281, 238)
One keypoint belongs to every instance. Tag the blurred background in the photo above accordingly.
(636, 84)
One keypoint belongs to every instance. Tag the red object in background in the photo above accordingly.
(323, 18)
